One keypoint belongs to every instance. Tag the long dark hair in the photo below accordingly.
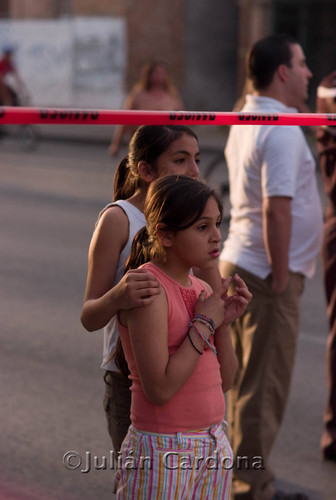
(177, 202)
(147, 144)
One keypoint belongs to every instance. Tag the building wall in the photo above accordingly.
(197, 40)
(204, 44)
(34, 9)
(46, 9)
(99, 7)
(211, 59)
(254, 22)
(156, 30)
(4, 8)
(312, 23)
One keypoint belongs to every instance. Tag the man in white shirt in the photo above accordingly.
(274, 237)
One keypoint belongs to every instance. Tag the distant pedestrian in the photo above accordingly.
(179, 351)
(326, 145)
(155, 90)
(274, 237)
(10, 91)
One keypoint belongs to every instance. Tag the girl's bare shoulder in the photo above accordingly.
(112, 226)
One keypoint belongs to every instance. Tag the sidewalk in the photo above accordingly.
(99, 134)
(210, 137)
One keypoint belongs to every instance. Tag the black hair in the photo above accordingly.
(167, 203)
(147, 144)
(265, 56)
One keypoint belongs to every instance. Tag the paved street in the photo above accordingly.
(51, 383)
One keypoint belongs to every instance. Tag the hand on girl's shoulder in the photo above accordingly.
(137, 288)
(148, 302)
(141, 287)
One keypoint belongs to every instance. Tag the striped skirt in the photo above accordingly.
(183, 466)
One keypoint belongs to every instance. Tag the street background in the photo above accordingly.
(51, 383)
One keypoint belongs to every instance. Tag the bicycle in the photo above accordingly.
(26, 136)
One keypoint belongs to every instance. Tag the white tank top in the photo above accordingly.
(111, 333)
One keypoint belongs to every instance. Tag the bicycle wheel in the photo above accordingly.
(216, 174)
(27, 137)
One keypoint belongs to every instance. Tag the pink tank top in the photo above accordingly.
(200, 402)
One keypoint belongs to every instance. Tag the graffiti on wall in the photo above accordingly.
(70, 62)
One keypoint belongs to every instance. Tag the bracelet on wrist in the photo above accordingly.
(205, 323)
(192, 343)
(202, 318)
(208, 345)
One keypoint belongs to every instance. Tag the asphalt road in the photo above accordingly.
(52, 420)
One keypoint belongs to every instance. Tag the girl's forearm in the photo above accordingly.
(96, 313)
(179, 368)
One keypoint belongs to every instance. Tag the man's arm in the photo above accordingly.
(277, 224)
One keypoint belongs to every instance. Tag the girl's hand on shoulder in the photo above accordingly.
(137, 287)
(235, 304)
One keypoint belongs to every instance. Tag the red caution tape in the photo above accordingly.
(20, 115)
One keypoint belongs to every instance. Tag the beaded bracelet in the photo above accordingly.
(205, 340)
(205, 323)
(207, 319)
(192, 343)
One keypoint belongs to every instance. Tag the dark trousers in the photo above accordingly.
(117, 404)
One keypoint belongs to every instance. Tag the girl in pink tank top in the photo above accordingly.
(179, 351)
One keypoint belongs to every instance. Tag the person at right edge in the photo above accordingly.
(274, 237)
(326, 145)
